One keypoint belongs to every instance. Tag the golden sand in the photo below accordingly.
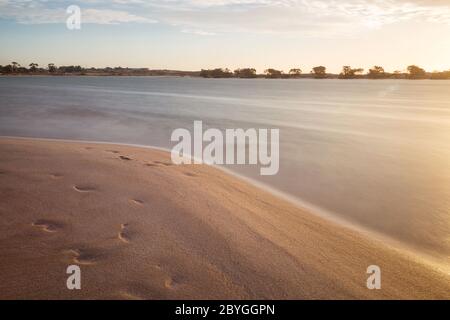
(142, 228)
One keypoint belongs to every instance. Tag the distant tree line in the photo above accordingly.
(319, 72)
(15, 68)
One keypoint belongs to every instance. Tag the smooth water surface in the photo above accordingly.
(376, 153)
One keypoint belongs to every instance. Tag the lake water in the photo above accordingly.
(375, 153)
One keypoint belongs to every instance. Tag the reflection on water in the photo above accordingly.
(373, 152)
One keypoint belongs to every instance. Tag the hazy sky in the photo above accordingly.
(195, 34)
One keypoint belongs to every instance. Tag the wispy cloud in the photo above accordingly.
(39, 12)
(297, 17)
(106, 16)
(209, 17)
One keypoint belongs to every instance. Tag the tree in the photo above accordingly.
(320, 71)
(15, 65)
(397, 74)
(51, 67)
(376, 72)
(245, 73)
(33, 66)
(73, 69)
(216, 73)
(273, 73)
(349, 73)
(295, 72)
(416, 72)
(7, 69)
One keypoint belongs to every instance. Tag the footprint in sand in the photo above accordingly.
(157, 266)
(137, 201)
(56, 176)
(112, 151)
(190, 174)
(47, 225)
(125, 158)
(167, 164)
(83, 189)
(151, 165)
(171, 283)
(124, 234)
(85, 256)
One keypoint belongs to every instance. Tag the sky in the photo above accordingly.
(196, 34)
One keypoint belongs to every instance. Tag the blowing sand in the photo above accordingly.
(142, 228)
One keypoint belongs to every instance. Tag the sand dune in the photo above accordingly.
(142, 228)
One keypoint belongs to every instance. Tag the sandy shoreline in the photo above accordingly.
(142, 228)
